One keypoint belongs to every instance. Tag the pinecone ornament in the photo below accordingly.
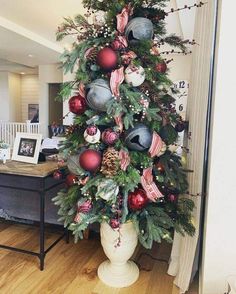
(92, 54)
(110, 162)
(149, 91)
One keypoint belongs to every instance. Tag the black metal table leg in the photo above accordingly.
(67, 235)
(42, 231)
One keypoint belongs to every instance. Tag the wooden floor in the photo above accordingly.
(71, 268)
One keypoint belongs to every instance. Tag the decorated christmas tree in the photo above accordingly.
(119, 150)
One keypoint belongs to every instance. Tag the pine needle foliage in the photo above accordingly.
(104, 196)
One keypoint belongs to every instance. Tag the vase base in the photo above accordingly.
(118, 276)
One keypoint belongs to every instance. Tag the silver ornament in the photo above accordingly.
(139, 28)
(98, 94)
(138, 138)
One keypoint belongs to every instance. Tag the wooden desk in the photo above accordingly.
(26, 191)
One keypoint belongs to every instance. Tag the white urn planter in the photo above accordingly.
(118, 271)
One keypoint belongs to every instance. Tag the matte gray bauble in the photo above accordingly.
(98, 94)
(138, 138)
(139, 28)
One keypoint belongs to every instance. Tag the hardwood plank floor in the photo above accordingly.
(72, 268)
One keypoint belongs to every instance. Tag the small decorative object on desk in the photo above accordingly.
(56, 130)
(4, 151)
(115, 180)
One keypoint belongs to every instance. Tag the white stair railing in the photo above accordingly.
(8, 130)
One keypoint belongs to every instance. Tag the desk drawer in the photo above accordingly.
(26, 204)
(21, 182)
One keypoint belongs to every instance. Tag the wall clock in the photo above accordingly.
(181, 97)
(181, 105)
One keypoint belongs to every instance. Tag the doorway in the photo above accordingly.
(55, 107)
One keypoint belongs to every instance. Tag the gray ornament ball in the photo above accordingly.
(98, 94)
(139, 28)
(138, 138)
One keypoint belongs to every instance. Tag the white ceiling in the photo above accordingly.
(27, 27)
(41, 17)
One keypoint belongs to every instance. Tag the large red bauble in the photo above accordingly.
(161, 67)
(107, 59)
(71, 179)
(90, 160)
(77, 104)
(137, 199)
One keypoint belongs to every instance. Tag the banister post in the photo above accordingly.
(28, 126)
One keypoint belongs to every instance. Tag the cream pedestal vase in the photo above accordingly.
(118, 272)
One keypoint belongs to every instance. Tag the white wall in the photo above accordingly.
(68, 116)
(29, 93)
(14, 83)
(219, 254)
(180, 67)
(4, 96)
(47, 74)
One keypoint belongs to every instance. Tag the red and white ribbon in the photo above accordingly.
(128, 57)
(77, 218)
(123, 18)
(156, 145)
(119, 123)
(124, 159)
(82, 90)
(153, 193)
(117, 78)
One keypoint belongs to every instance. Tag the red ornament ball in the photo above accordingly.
(90, 160)
(109, 136)
(161, 67)
(92, 130)
(85, 207)
(77, 104)
(114, 223)
(71, 180)
(160, 167)
(57, 175)
(107, 59)
(137, 199)
(172, 197)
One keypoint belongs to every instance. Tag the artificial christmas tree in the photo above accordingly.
(127, 173)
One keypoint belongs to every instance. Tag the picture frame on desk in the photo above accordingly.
(26, 147)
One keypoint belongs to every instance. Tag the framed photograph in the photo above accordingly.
(26, 147)
(33, 110)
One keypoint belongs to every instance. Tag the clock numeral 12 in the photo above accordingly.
(182, 84)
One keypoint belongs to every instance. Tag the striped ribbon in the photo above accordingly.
(117, 77)
(82, 90)
(153, 193)
(124, 159)
(156, 145)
